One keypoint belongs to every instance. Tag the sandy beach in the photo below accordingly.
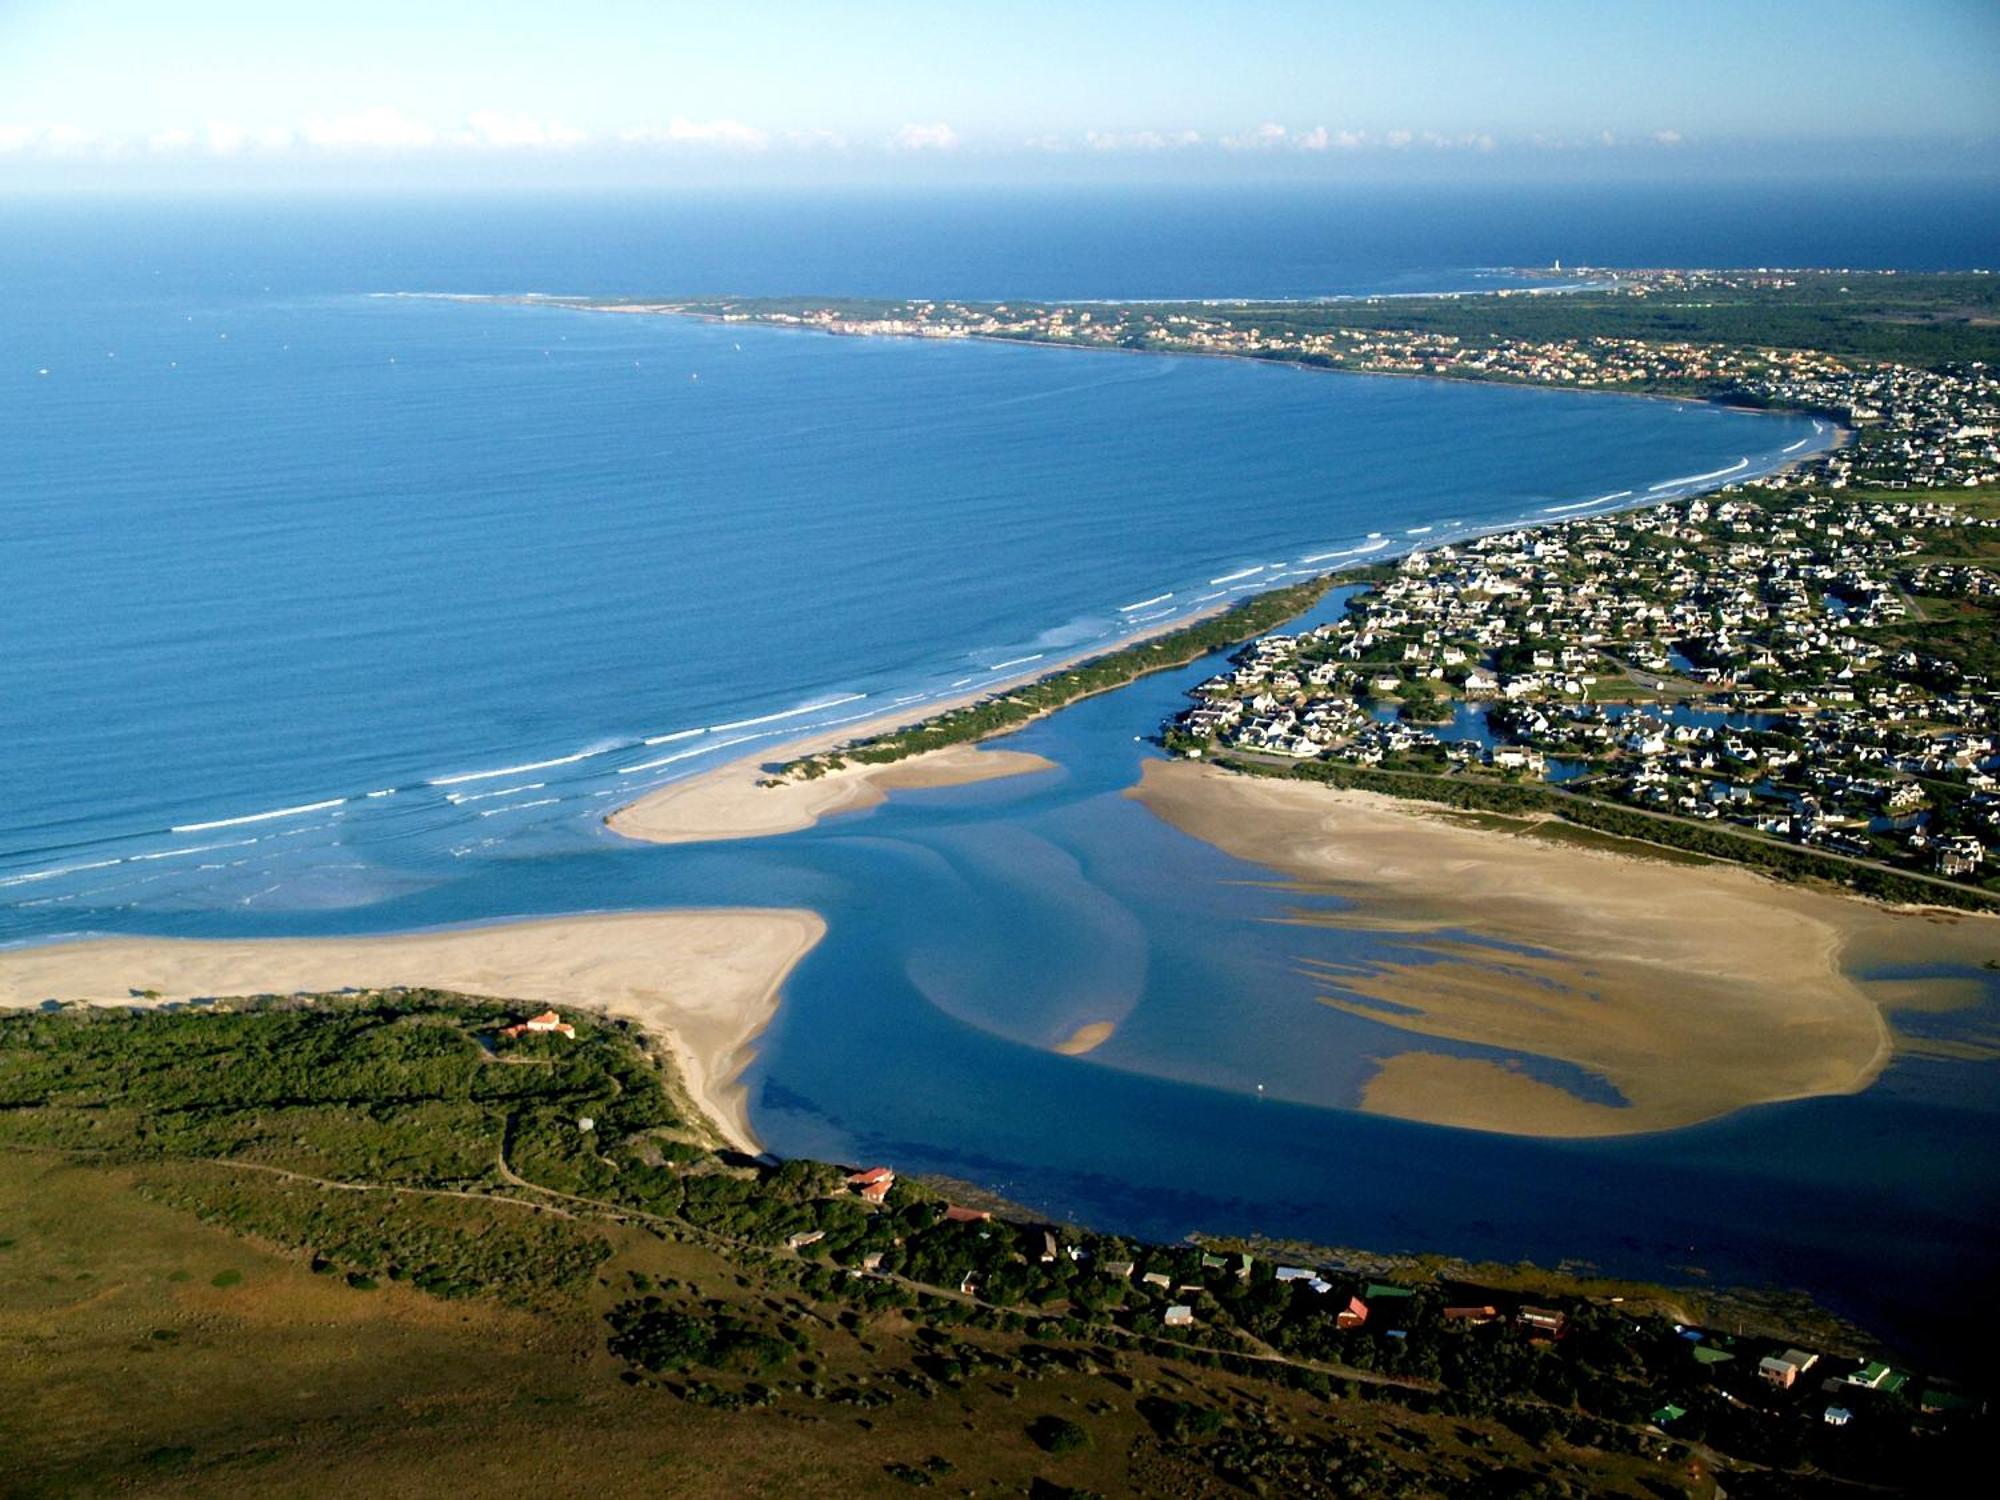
(703, 983)
(737, 800)
(732, 801)
(1692, 990)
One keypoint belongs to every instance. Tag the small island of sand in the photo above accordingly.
(740, 801)
(1692, 990)
(703, 983)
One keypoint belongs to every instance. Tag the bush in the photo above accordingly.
(1057, 1435)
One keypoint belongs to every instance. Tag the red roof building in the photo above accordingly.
(548, 1020)
(873, 1184)
(1353, 1315)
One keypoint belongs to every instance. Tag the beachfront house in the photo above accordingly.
(872, 1185)
(547, 1022)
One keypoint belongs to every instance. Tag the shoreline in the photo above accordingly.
(1689, 992)
(732, 800)
(1843, 433)
(727, 968)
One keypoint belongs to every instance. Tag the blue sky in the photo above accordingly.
(607, 91)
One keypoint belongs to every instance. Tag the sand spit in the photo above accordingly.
(733, 801)
(1693, 991)
(705, 983)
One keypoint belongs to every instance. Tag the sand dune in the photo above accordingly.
(705, 983)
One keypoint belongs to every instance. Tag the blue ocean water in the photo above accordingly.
(271, 543)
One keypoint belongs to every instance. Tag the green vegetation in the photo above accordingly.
(1011, 710)
(1920, 319)
(439, 1316)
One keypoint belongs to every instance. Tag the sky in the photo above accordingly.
(437, 93)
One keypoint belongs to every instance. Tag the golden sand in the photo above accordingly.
(704, 983)
(1693, 990)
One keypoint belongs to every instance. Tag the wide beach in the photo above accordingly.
(702, 983)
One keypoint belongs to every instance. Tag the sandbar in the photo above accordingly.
(741, 800)
(738, 801)
(1086, 1038)
(1692, 991)
(704, 983)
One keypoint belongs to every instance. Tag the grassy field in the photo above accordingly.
(366, 1243)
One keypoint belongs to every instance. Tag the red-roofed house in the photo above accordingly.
(548, 1020)
(872, 1185)
(1353, 1315)
(959, 1215)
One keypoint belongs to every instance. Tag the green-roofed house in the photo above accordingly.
(1876, 1376)
(1383, 1289)
(1667, 1414)
(1708, 1354)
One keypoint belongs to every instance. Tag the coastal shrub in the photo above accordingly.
(1057, 1435)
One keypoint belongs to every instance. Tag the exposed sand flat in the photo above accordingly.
(705, 983)
(1086, 1038)
(1694, 991)
(731, 802)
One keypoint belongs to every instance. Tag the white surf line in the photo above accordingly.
(533, 765)
(1667, 484)
(195, 849)
(262, 817)
(1796, 446)
(1204, 598)
(1162, 614)
(1016, 661)
(387, 791)
(668, 760)
(1347, 551)
(1241, 573)
(494, 812)
(1556, 510)
(1420, 531)
(668, 739)
(964, 680)
(456, 798)
(34, 875)
(1126, 609)
(790, 713)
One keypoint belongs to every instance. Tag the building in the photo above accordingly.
(1542, 1322)
(1180, 1316)
(1353, 1315)
(959, 1215)
(1783, 1369)
(547, 1021)
(872, 1184)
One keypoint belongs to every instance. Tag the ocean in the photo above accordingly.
(329, 610)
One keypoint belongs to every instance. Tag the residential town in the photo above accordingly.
(1768, 657)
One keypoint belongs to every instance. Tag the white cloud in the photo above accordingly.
(1265, 136)
(1140, 140)
(1666, 137)
(680, 131)
(162, 142)
(491, 130)
(934, 137)
(1396, 140)
(380, 129)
